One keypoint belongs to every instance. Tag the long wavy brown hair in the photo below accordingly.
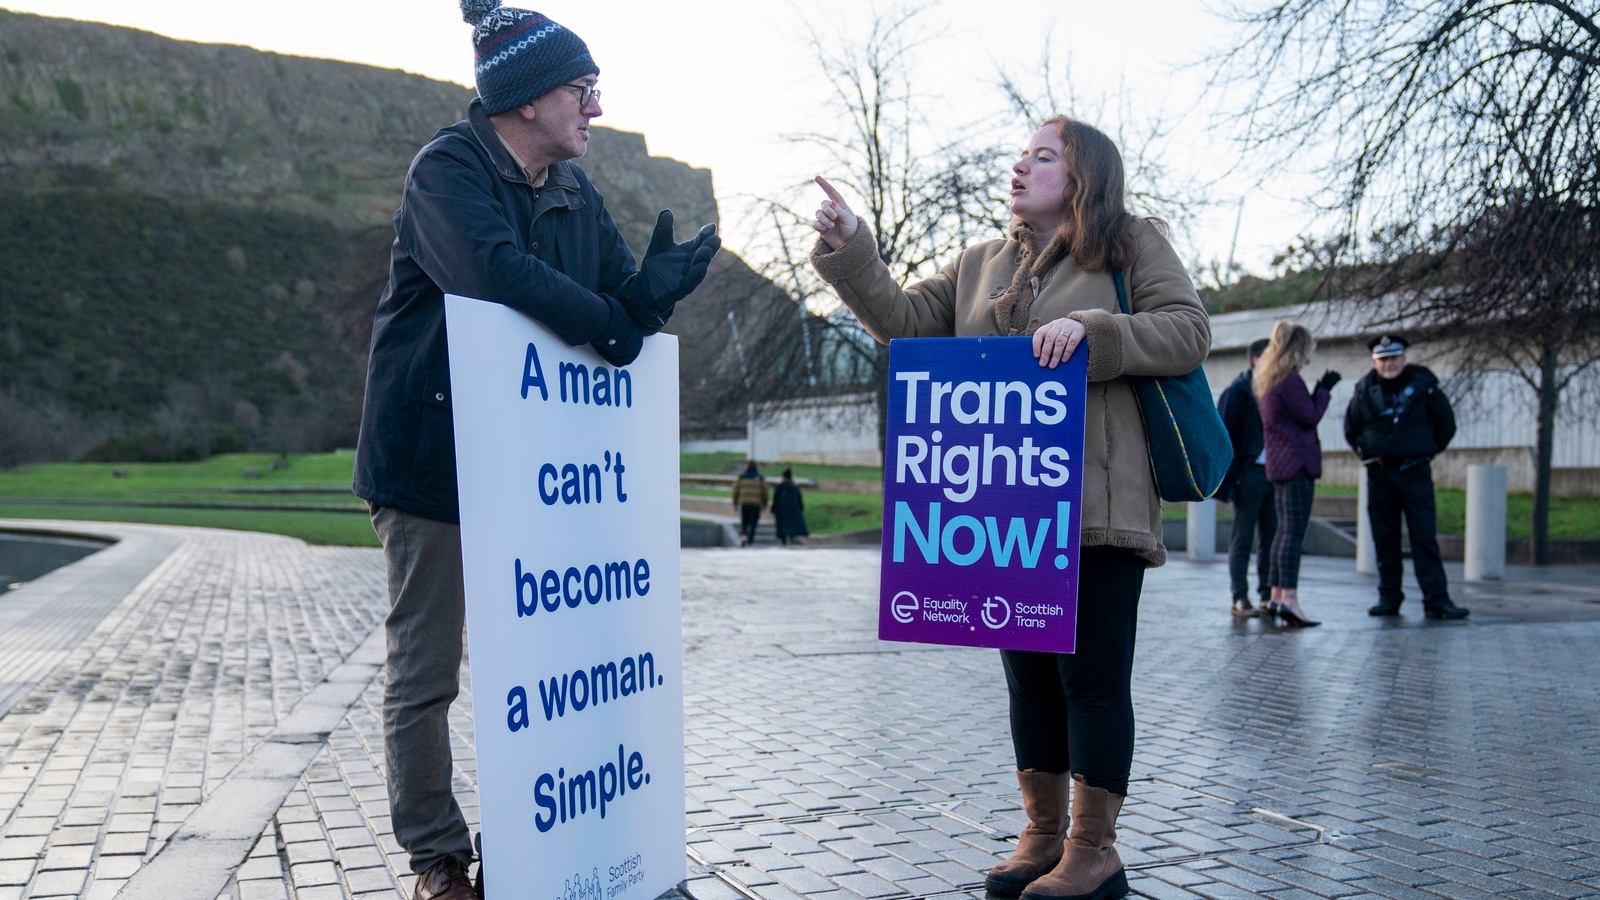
(1098, 231)
(1287, 352)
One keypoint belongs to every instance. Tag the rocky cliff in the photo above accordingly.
(195, 234)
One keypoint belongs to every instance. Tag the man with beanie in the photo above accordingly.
(1247, 487)
(493, 208)
(1397, 421)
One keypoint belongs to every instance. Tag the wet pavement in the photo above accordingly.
(204, 721)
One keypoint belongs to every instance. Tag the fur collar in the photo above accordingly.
(1012, 306)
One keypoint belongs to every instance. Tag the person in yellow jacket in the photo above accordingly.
(749, 498)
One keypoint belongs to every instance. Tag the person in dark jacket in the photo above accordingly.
(1289, 417)
(1397, 421)
(1247, 488)
(788, 509)
(494, 209)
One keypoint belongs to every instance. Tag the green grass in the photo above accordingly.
(710, 463)
(1570, 517)
(180, 481)
(832, 513)
(733, 464)
(333, 528)
(189, 482)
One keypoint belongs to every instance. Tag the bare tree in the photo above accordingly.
(926, 195)
(1144, 136)
(1460, 145)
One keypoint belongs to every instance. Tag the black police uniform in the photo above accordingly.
(1397, 426)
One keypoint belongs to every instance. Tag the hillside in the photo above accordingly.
(194, 237)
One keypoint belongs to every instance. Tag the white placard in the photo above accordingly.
(568, 475)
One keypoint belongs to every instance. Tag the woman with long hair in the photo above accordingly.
(1071, 714)
(1289, 417)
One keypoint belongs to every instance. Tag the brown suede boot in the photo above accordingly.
(1089, 867)
(1044, 799)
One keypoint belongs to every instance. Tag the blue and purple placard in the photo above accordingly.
(981, 487)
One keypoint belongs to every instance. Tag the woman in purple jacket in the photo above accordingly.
(1289, 417)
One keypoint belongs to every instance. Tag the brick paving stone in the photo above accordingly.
(16, 871)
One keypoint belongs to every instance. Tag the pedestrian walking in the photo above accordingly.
(1398, 420)
(1052, 278)
(493, 208)
(1247, 488)
(789, 509)
(749, 498)
(1289, 417)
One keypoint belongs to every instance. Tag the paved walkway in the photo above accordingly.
(212, 731)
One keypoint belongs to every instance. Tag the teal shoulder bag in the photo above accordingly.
(1189, 446)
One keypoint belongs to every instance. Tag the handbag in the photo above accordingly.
(1189, 447)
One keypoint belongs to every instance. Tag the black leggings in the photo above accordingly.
(1073, 712)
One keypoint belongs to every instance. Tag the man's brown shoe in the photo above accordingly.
(445, 880)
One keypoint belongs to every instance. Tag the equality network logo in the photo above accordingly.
(904, 607)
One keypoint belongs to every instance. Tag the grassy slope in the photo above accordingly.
(186, 482)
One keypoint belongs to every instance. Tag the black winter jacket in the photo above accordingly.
(471, 224)
(1405, 419)
(1242, 418)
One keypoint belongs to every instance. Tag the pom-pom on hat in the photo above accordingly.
(521, 55)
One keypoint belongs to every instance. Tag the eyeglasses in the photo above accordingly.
(586, 93)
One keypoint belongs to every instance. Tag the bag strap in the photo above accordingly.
(1122, 292)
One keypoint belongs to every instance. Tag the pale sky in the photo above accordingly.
(718, 83)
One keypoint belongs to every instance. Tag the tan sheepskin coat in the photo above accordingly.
(1168, 334)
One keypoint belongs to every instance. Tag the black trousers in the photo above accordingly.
(1073, 712)
(1253, 511)
(1409, 492)
(749, 517)
(1293, 501)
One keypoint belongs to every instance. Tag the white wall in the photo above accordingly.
(834, 430)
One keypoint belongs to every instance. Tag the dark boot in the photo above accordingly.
(1090, 868)
(1044, 799)
(445, 880)
(1444, 609)
(1384, 608)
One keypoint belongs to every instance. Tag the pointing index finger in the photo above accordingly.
(829, 189)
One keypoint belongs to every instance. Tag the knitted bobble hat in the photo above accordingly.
(521, 55)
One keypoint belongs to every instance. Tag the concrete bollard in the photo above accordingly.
(1201, 533)
(1485, 553)
(1366, 553)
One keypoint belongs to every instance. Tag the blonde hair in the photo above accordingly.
(1289, 349)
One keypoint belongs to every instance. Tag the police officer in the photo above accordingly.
(1397, 421)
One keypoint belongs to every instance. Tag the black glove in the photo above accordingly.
(622, 340)
(669, 272)
(1329, 379)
